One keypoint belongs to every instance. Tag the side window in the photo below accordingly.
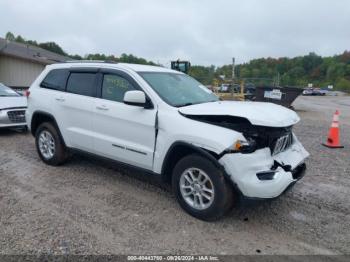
(114, 87)
(55, 79)
(81, 84)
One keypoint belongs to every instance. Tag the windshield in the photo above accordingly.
(6, 91)
(178, 89)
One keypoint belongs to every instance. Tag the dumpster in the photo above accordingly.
(284, 96)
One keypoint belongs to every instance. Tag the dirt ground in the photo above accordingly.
(90, 207)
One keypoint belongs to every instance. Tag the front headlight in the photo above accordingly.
(244, 147)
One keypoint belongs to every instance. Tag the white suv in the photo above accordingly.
(166, 123)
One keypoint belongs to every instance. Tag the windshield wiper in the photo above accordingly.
(191, 103)
(184, 104)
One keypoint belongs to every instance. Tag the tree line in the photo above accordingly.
(55, 48)
(296, 71)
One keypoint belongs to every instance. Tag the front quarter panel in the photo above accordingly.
(174, 127)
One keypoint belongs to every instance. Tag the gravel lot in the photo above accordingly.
(90, 207)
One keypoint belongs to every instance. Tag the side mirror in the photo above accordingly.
(135, 98)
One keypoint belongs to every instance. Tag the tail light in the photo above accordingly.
(27, 93)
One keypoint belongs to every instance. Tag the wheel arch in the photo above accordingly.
(180, 149)
(40, 117)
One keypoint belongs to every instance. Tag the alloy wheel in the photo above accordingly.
(47, 145)
(196, 188)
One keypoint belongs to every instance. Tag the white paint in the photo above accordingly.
(8, 102)
(243, 168)
(258, 113)
(135, 96)
(127, 133)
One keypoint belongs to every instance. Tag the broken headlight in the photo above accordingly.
(244, 147)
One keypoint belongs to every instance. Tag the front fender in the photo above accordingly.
(175, 127)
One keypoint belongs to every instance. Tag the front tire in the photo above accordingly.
(50, 145)
(201, 189)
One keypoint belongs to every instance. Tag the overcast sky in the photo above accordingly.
(202, 31)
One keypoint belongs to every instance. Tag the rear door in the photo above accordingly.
(122, 132)
(52, 88)
(77, 108)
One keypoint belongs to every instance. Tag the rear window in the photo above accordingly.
(6, 91)
(55, 79)
(81, 84)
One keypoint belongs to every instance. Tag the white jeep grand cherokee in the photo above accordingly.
(166, 123)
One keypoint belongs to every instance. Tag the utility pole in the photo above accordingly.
(233, 76)
(233, 70)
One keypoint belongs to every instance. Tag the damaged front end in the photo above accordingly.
(277, 139)
(266, 163)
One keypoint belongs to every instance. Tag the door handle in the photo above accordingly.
(103, 107)
(60, 99)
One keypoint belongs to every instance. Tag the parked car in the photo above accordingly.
(319, 92)
(12, 108)
(314, 92)
(307, 92)
(167, 124)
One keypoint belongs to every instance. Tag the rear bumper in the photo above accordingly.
(260, 175)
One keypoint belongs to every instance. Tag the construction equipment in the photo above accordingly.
(182, 66)
(234, 94)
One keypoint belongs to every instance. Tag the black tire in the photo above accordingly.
(224, 196)
(60, 153)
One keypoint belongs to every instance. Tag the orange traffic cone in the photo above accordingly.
(333, 140)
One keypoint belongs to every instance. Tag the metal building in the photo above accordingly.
(20, 63)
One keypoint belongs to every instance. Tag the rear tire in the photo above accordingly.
(208, 196)
(50, 145)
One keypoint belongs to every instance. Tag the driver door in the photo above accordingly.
(123, 132)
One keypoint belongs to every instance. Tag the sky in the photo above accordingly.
(204, 32)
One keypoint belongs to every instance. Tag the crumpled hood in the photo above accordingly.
(258, 113)
(9, 102)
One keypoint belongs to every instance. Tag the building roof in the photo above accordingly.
(30, 52)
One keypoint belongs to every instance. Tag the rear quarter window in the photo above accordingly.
(55, 79)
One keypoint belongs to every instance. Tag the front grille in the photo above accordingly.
(278, 139)
(17, 116)
(282, 143)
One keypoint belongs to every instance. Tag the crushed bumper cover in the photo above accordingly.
(280, 171)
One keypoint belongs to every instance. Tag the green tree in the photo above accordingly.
(76, 57)
(53, 47)
(311, 61)
(20, 39)
(335, 71)
(297, 71)
(204, 74)
(9, 36)
(343, 84)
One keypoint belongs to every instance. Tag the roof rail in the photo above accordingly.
(91, 61)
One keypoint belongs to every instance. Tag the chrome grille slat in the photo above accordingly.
(282, 143)
(17, 116)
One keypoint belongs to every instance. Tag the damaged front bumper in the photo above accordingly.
(260, 175)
